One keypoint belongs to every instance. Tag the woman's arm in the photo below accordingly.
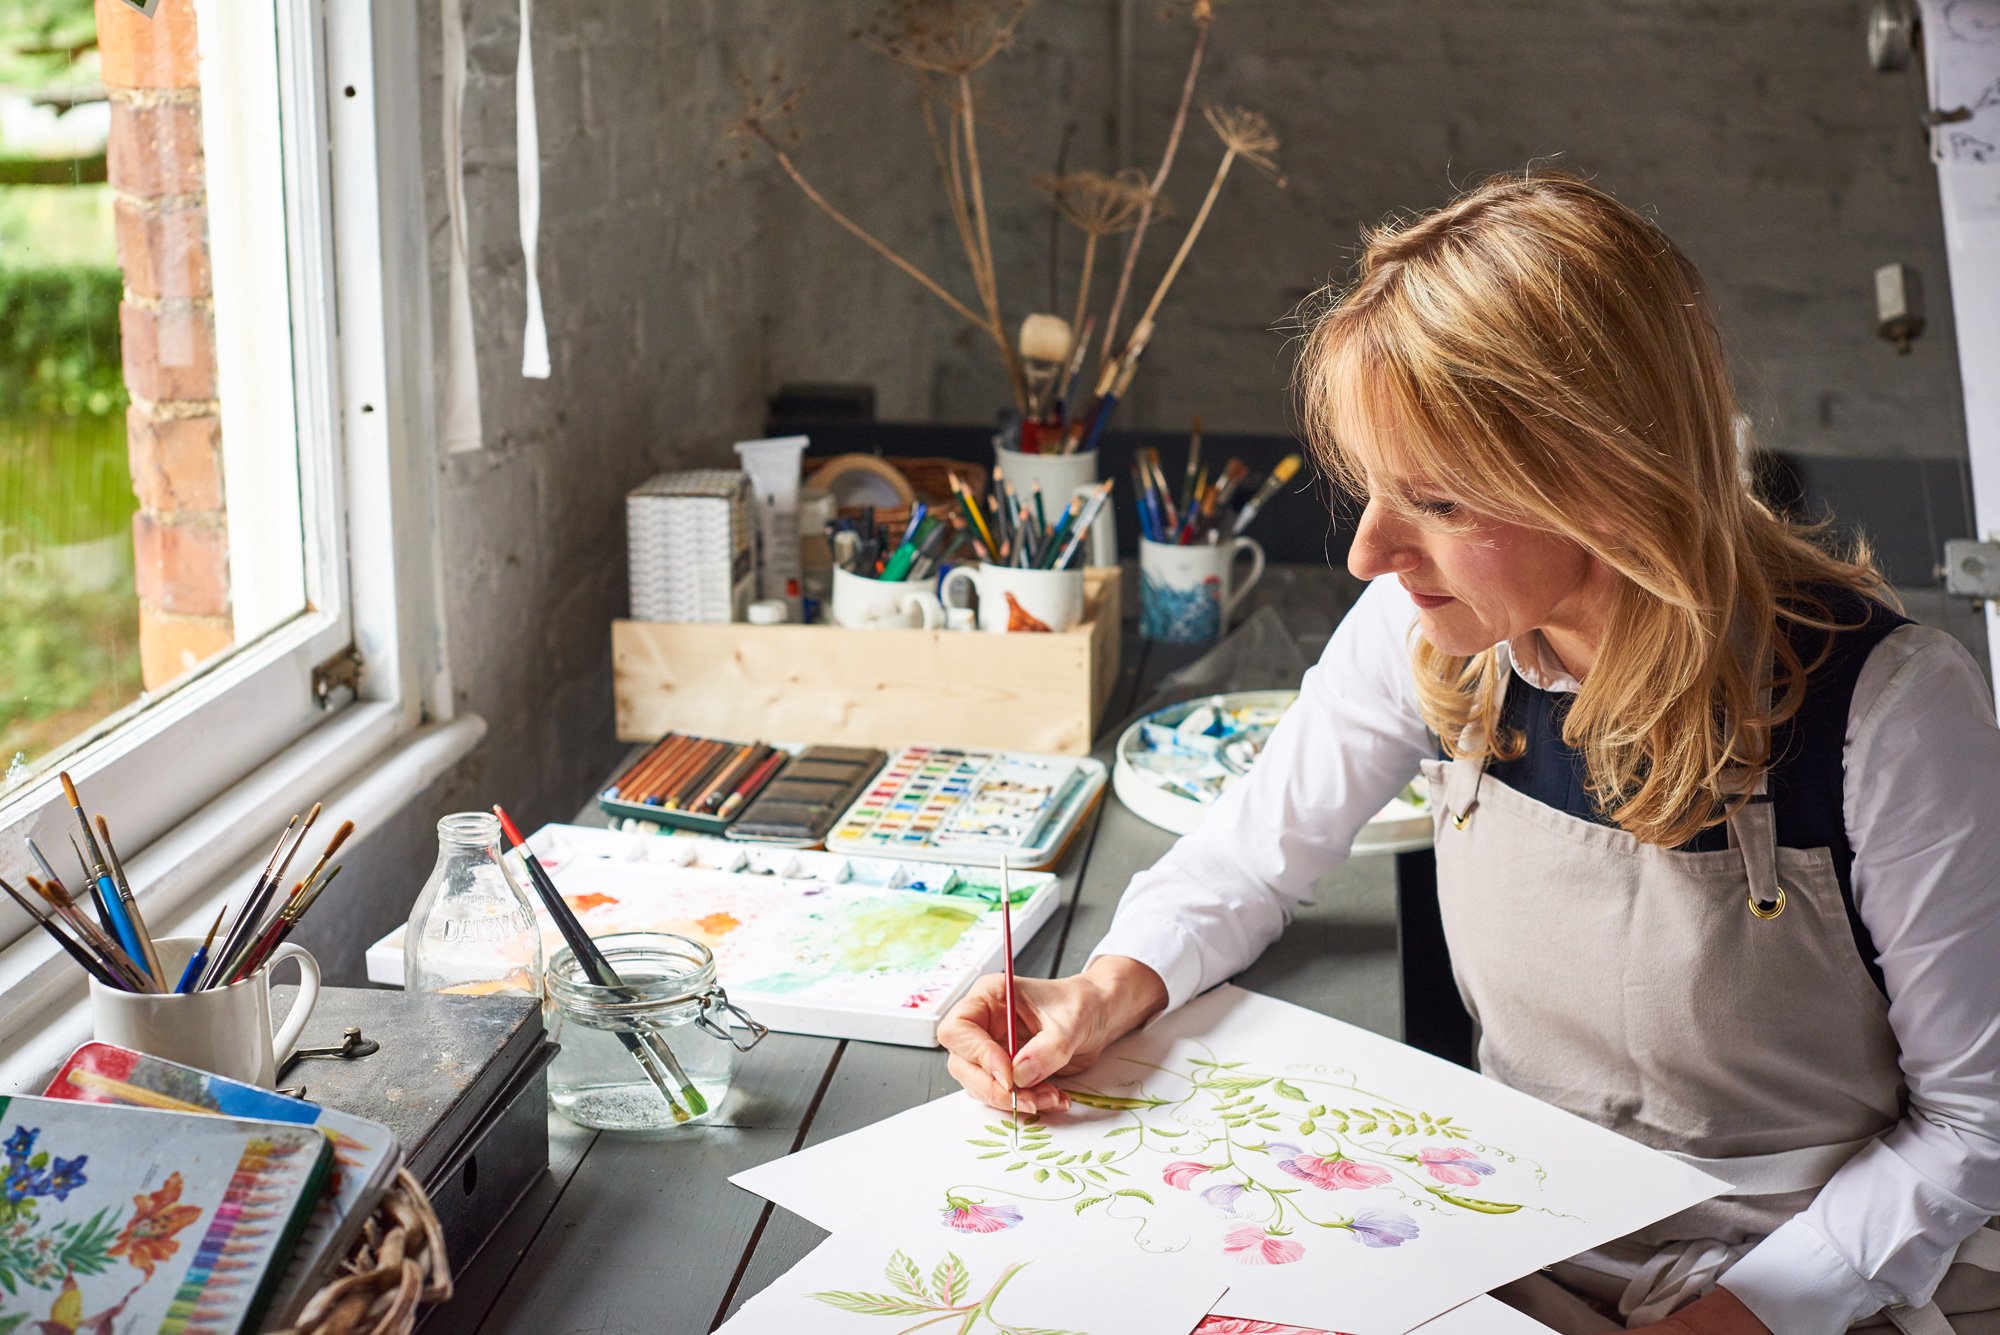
(1224, 892)
(1353, 740)
(1923, 769)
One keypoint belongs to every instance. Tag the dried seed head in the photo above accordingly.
(768, 107)
(949, 37)
(1099, 205)
(1246, 134)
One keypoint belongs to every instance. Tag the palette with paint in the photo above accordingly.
(808, 942)
(935, 803)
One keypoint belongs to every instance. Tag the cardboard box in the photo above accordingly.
(883, 688)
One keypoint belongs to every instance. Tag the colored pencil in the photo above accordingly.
(744, 790)
(725, 783)
(602, 974)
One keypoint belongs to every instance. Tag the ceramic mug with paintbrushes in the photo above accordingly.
(225, 1029)
(1013, 598)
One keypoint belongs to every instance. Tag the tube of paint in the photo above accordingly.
(773, 466)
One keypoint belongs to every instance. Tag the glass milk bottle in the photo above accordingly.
(471, 931)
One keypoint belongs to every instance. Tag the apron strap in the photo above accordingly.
(1754, 830)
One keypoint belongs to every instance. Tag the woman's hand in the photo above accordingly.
(1719, 1313)
(1062, 1025)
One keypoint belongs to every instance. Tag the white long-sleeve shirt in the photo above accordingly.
(1922, 771)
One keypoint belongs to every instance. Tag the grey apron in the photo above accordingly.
(1711, 1005)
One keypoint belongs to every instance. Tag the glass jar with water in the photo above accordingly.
(654, 1053)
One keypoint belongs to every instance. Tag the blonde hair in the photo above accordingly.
(1546, 356)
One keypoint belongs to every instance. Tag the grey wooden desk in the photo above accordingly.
(646, 1235)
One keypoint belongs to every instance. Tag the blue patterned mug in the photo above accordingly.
(1187, 594)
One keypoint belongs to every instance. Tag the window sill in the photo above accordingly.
(363, 764)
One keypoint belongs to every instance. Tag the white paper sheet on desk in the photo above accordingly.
(862, 1282)
(1481, 1316)
(1329, 1176)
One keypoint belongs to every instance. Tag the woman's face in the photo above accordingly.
(1477, 580)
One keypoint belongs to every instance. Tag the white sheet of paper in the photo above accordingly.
(860, 1283)
(1331, 1177)
(1481, 1316)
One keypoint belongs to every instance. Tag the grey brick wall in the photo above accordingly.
(685, 284)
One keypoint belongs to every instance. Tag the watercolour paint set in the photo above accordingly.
(136, 1219)
(810, 942)
(935, 803)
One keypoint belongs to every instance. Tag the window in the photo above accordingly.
(164, 623)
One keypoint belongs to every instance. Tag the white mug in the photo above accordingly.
(1014, 599)
(226, 1030)
(1187, 594)
(860, 603)
(1063, 476)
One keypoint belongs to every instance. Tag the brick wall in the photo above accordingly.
(180, 535)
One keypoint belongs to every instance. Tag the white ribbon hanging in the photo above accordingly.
(459, 413)
(528, 172)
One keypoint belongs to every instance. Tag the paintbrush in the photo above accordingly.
(241, 964)
(270, 865)
(129, 900)
(244, 929)
(303, 898)
(35, 851)
(1190, 487)
(99, 874)
(199, 959)
(602, 974)
(1287, 467)
(131, 976)
(1007, 991)
(74, 949)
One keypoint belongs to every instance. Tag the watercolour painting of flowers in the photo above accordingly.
(1285, 1159)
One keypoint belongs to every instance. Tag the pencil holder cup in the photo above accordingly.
(226, 1030)
(656, 1052)
(1012, 599)
(1187, 594)
(860, 603)
(1062, 476)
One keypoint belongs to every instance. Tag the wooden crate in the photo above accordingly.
(883, 688)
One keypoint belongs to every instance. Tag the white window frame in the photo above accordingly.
(198, 783)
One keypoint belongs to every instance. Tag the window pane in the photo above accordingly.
(138, 544)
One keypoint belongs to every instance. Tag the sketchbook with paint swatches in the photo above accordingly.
(131, 1219)
(365, 1154)
(948, 805)
(809, 942)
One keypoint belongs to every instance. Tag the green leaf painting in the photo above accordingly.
(1288, 1159)
(947, 1298)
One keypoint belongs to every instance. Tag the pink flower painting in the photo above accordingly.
(1182, 1173)
(968, 1216)
(1454, 1166)
(1331, 1172)
(1243, 1325)
(1255, 1246)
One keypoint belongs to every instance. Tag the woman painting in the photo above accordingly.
(1716, 856)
